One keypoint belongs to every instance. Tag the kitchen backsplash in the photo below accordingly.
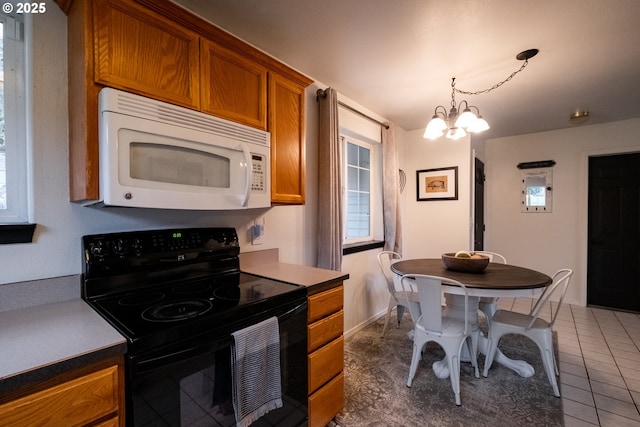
(26, 294)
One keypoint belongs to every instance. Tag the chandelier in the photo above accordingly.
(461, 119)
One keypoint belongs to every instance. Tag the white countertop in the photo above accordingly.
(43, 335)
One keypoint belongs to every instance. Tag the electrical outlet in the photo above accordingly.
(257, 231)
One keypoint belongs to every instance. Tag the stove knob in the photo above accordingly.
(119, 247)
(137, 246)
(98, 249)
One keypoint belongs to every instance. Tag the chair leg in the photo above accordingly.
(418, 344)
(492, 347)
(472, 348)
(399, 313)
(392, 303)
(454, 373)
(546, 351)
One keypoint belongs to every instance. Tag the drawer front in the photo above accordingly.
(73, 403)
(325, 330)
(113, 422)
(325, 403)
(324, 303)
(325, 363)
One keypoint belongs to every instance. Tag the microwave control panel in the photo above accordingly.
(259, 170)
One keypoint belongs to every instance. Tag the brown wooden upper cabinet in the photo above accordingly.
(286, 124)
(156, 48)
(232, 86)
(140, 51)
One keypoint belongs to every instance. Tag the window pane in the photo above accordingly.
(363, 178)
(353, 203)
(352, 178)
(364, 161)
(364, 204)
(352, 154)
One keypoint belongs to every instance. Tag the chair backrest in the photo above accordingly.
(430, 296)
(385, 259)
(561, 280)
(493, 256)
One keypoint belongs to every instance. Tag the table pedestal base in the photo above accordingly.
(455, 308)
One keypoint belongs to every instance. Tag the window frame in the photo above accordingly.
(15, 113)
(375, 193)
(15, 226)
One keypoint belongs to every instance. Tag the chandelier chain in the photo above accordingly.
(497, 85)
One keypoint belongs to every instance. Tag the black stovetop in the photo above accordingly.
(158, 293)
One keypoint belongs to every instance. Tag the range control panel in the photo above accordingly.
(145, 249)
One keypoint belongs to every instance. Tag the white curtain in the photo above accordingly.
(391, 191)
(329, 182)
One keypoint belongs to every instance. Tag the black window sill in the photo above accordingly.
(16, 233)
(353, 248)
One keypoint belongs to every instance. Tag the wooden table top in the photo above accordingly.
(495, 276)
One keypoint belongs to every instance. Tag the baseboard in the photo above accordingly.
(364, 324)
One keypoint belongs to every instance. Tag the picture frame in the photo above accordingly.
(437, 184)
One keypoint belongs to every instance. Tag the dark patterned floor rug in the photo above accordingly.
(376, 394)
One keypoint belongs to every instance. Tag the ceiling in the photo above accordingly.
(397, 57)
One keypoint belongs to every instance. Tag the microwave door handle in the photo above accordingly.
(247, 190)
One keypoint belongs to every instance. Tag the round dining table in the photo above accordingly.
(497, 280)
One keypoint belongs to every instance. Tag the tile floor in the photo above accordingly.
(599, 352)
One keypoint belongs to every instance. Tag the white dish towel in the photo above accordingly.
(256, 371)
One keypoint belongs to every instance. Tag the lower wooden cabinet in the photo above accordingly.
(325, 403)
(325, 345)
(94, 398)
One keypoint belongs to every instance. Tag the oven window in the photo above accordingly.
(187, 393)
(178, 165)
(196, 390)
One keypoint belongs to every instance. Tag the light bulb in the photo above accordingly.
(456, 133)
(435, 128)
(479, 125)
(466, 119)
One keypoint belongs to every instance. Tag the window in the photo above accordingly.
(13, 145)
(362, 195)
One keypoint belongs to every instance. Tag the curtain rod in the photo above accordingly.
(323, 94)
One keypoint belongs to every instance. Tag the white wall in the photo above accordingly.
(549, 241)
(430, 228)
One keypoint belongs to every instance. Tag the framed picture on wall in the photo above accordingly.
(437, 184)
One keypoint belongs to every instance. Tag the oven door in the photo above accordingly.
(190, 384)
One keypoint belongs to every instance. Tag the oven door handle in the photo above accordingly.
(177, 356)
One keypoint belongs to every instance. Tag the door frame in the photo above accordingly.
(583, 217)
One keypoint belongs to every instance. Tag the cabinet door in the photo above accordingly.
(73, 403)
(141, 51)
(325, 403)
(232, 86)
(286, 124)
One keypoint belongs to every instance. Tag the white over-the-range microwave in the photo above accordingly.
(157, 155)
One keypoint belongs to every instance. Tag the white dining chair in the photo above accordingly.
(434, 325)
(532, 326)
(487, 304)
(398, 298)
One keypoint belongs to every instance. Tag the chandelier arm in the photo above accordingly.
(497, 85)
(443, 112)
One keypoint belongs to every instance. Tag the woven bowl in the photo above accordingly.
(465, 265)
